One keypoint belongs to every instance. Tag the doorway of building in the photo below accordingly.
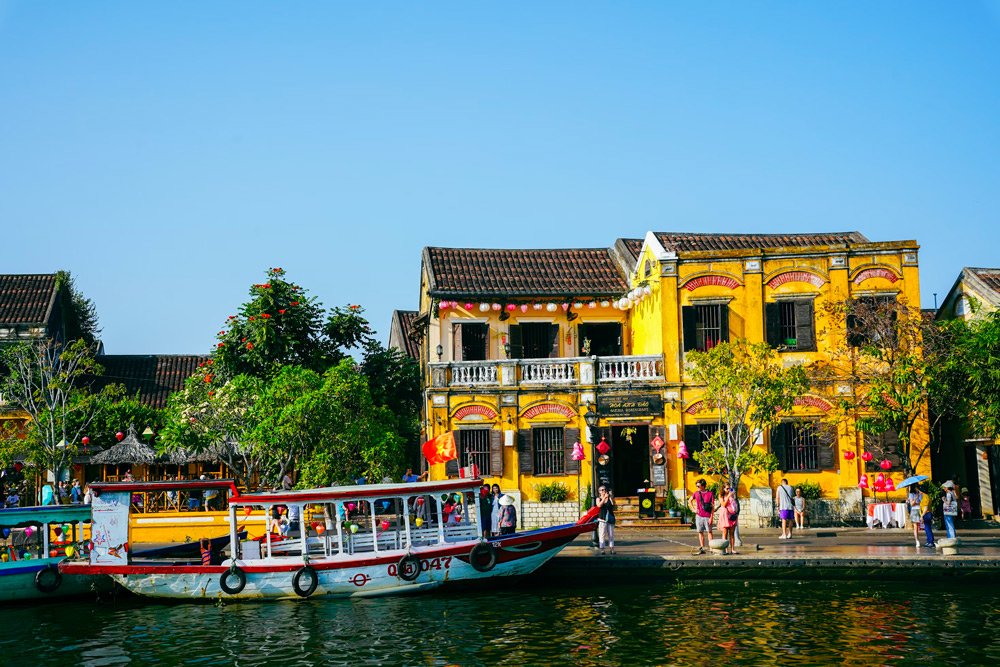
(630, 449)
(600, 339)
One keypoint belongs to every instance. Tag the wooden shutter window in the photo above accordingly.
(689, 319)
(724, 323)
(692, 440)
(571, 436)
(827, 455)
(779, 436)
(805, 326)
(496, 452)
(516, 346)
(772, 324)
(456, 337)
(524, 453)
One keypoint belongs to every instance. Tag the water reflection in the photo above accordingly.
(736, 623)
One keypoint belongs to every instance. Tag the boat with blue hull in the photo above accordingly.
(33, 540)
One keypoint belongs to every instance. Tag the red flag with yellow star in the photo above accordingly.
(440, 449)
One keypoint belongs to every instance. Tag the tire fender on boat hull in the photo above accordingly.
(408, 568)
(48, 579)
(241, 581)
(309, 589)
(481, 551)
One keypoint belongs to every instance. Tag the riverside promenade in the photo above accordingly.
(823, 553)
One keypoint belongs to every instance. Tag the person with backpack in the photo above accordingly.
(508, 515)
(702, 503)
(949, 507)
(786, 509)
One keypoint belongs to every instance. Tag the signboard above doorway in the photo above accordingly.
(630, 405)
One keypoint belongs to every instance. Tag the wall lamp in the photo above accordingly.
(440, 351)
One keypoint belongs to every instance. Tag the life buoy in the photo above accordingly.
(408, 568)
(297, 581)
(241, 580)
(48, 579)
(481, 551)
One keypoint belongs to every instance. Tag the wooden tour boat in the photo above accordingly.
(32, 542)
(367, 540)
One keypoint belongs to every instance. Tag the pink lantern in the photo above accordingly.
(537, 306)
(511, 308)
(577, 454)
(866, 457)
(350, 507)
(603, 447)
(890, 485)
(886, 464)
(495, 306)
(880, 479)
(863, 484)
(443, 305)
(565, 306)
(524, 307)
(849, 455)
(469, 306)
(592, 304)
(682, 451)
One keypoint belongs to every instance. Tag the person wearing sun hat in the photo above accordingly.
(508, 515)
(949, 507)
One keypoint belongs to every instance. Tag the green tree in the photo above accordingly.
(748, 386)
(288, 411)
(79, 312)
(967, 379)
(394, 382)
(209, 416)
(117, 414)
(353, 437)
(282, 326)
(45, 380)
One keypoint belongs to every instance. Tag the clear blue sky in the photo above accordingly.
(169, 153)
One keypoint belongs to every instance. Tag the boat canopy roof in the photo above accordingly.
(19, 516)
(167, 485)
(358, 492)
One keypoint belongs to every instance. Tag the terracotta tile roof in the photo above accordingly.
(404, 320)
(154, 376)
(473, 272)
(990, 277)
(26, 299)
(693, 242)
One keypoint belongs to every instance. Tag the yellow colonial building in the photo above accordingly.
(526, 353)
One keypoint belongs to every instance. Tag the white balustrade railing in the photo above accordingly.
(475, 373)
(632, 368)
(548, 370)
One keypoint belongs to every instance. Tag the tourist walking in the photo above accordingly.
(508, 515)
(913, 499)
(702, 503)
(495, 512)
(949, 507)
(786, 509)
(76, 493)
(606, 519)
(800, 508)
(928, 517)
(728, 518)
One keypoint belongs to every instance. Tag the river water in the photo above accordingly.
(598, 623)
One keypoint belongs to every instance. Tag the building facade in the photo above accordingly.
(522, 348)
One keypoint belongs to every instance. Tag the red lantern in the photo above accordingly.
(849, 455)
(886, 464)
(119, 435)
(420, 501)
(866, 457)
(880, 479)
(863, 484)
(603, 447)
(18, 466)
(890, 485)
(85, 440)
(385, 525)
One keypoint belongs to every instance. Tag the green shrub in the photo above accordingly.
(810, 490)
(552, 493)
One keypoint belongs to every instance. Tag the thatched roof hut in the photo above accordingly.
(130, 450)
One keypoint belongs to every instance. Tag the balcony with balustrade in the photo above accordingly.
(559, 372)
